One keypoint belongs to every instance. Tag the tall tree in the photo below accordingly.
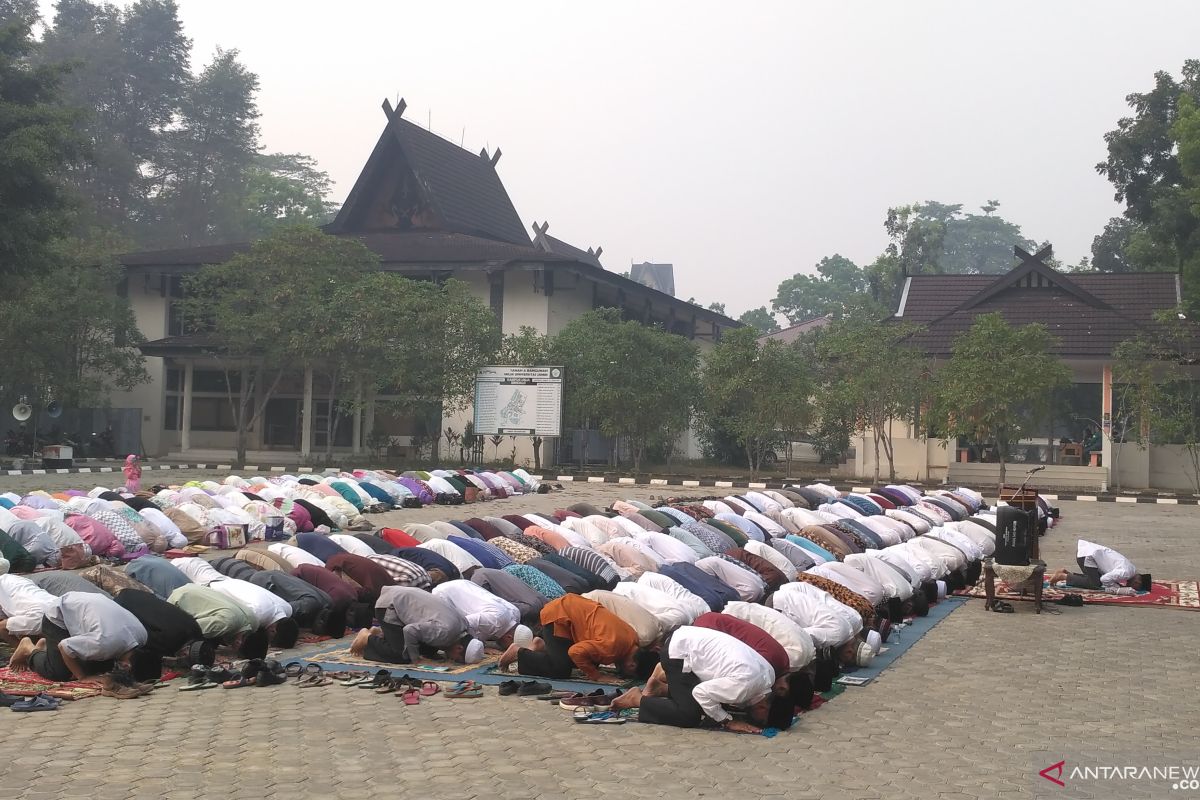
(868, 379)
(632, 382)
(838, 286)
(264, 311)
(753, 392)
(202, 178)
(130, 69)
(760, 319)
(1155, 385)
(997, 383)
(79, 338)
(285, 189)
(1149, 168)
(935, 237)
(37, 145)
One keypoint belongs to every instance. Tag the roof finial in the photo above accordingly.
(394, 113)
(496, 156)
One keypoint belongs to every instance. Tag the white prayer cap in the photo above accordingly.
(863, 656)
(522, 636)
(474, 653)
(941, 586)
(875, 641)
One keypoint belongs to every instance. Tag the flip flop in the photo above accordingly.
(238, 683)
(600, 718)
(295, 669)
(460, 691)
(429, 689)
(40, 702)
(195, 687)
(380, 678)
(411, 696)
(386, 686)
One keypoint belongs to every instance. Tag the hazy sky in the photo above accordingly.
(742, 142)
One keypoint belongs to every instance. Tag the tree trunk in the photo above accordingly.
(243, 419)
(537, 453)
(875, 439)
(751, 461)
(889, 451)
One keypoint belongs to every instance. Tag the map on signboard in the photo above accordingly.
(518, 401)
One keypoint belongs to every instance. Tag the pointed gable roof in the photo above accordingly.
(1089, 314)
(416, 180)
(548, 244)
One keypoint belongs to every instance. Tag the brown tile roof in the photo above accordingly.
(1088, 313)
(794, 332)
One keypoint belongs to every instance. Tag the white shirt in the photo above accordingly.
(794, 639)
(766, 523)
(894, 583)
(954, 537)
(460, 558)
(984, 539)
(644, 549)
(670, 549)
(265, 607)
(748, 584)
(1115, 567)
(928, 566)
(99, 628)
(294, 555)
(587, 528)
(166, 527)
(693, 603)
(815, 610)
(778, 559)
(198, 570)
(770, 505)
(488, 617)
(888, 530)
(351, 544)
(918, 524)
(951, 557)
(855, 580)
(794, 553)
(729, 670)
(23, 604)
(666, 609)
(802, 517)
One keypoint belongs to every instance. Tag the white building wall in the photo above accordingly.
(150, 309)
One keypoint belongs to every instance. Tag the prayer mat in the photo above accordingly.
(901, 639)
(27, 683)
(1164, 594)
(607, 677)
(312, 638)
(340, 657)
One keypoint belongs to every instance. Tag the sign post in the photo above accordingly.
(518, 401)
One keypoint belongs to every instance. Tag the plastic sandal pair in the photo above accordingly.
(464, 690)
(414, 690)
(39, 702)
(1001, 607)
(202, 677)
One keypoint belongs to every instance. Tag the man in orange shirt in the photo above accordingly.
(579, 633)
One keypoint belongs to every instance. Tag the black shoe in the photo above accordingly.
(6, 699)
(509, 687)
(1075, 600)
(529, 688)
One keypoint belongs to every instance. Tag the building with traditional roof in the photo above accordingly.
(1089, 315)
(430, 210)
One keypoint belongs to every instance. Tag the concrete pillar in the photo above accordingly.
(185, 429)
(1106, 413)
(306, 415)
(356, 444)
(369, 416)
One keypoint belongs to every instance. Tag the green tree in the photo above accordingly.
(265, 311)
(37, 145)
(1154, 384)
(934, 237)
(997, 382)
(717, 307)
(760, 319)
(201, 178)
(285, 189)
(868, 380)
(752, 392)
(839, 286)
(630, 381)
(1149, 166)
(129, 71)
(78, 338)
(1115, 248)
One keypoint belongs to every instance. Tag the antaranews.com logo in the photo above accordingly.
(1100, 777)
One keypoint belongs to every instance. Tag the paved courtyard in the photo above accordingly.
(965, 713)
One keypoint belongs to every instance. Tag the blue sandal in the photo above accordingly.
(40, 702)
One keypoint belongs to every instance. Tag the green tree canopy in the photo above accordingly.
(997, 383)
(838, 286)
(1152, 165)
(753, 392)
(868, 378)
(37, 145)
(631, 381)
(760, 319)
(934, 237)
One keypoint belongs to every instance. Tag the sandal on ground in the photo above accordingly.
(411, 696)
(380, 678)
(1001, 607)
(464, 689)
(429, 689)
(600, 718)
(39, 702)
(295, 669)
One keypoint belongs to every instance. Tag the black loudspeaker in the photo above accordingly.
(1014, 530)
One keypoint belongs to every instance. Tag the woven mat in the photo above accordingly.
(28, 683)
(1165, 594)
(341, 655)
(607, 677)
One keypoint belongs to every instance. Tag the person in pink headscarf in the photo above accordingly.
(133, 473)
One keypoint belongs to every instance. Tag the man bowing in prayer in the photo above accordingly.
(580, 633)
(1103, 569)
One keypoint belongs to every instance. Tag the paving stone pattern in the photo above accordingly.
(947, 721)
